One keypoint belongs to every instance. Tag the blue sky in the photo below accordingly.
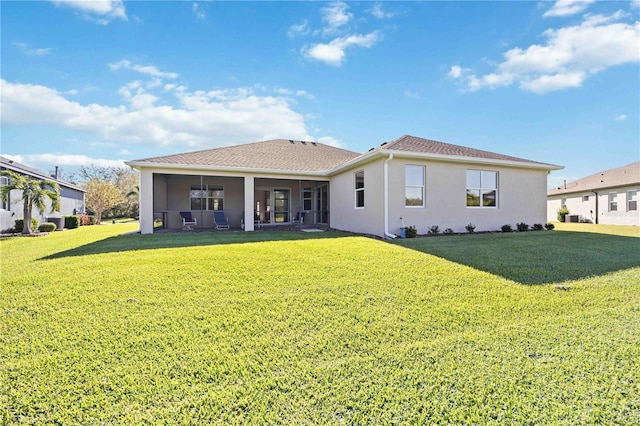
(101, 82)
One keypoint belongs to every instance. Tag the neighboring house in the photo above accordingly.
(418, 181)
(609, 197)
(71, 197)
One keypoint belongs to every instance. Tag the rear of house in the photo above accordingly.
(419, 182)
(411, 181)
(609, 197)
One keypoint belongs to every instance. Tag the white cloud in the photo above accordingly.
(411, 94)
(569, 57)
(335, 16)
(197, 10)
(62, 160)
(201, 119)
(455, 71)
(29, 51)
(379, 13)
(567, 7)
(298, 29)
(621, 117)
(635, 4)
(333, 53)
(98, 11)
(143, 69)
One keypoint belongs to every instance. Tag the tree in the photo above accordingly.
(124, 179)
(34, 193)
(101, 196)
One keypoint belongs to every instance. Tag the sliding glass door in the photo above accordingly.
(281, 205)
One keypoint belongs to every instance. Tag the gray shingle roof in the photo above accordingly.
(278, 154)
(291, 156)
(409, 143)
(620, 176)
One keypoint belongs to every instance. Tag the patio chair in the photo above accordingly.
(220, 220)
(187, 220)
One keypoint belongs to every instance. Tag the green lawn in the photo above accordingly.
(223, 328)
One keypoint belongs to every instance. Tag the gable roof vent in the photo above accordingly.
(314, 144)
(291, 141)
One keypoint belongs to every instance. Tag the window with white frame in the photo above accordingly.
(207, 197)
(5, 205)
(632, 200)
(563, 203)
(413, 186)
(359, 186)
(585, 198)
(482, 189)
(613, 202)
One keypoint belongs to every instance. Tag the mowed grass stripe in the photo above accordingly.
(312, 331)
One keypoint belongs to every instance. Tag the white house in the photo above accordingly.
(71, 196)
(418, 181)
(609, 197)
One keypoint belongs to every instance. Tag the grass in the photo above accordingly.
(328, 328)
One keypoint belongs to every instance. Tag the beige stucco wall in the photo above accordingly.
(587, 209)
(521, 197)
(344, 214)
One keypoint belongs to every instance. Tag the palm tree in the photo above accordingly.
(34, 193)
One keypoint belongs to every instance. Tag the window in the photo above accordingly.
(632, 200)
(414, 186)
(307, 199)
(207, 197)
(482, 188)
(613, 202)
(4, 180)
(563, 203)
(585, 198)
(359, 189)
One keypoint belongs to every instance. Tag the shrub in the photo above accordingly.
(47, 227)
(448, 231)
(470, 228)
(20, 225)
(537, 227)
(434, 230)
(562, 212)
(411, 232)
(506, 228)
(86, 219)
(549, 226)
(71, 222)
(522, 227)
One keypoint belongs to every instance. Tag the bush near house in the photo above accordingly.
(562, 213)
(19, 226)
(47, 227)
(537, 227)
(433, 230)
(470, 228)
(72, 221)
(411, 232)
(522, 227)
(506, 228)
(549, 226)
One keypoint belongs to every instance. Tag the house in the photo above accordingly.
(71, 196)
(609, 197)
(411, 181)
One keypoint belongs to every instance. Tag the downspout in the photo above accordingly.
(596, 192)
(387, 234)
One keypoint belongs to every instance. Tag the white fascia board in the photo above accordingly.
(442, 157)
(186, 169)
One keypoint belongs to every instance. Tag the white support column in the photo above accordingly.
(146, 201)
(248, 203)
